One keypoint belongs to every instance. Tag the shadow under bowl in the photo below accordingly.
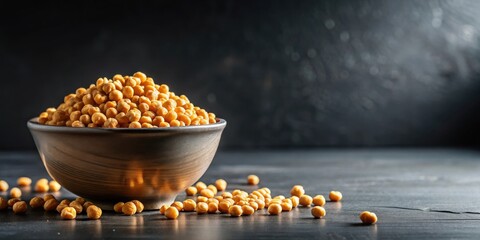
(105, 165)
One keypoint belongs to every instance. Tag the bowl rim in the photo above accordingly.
(33, 124)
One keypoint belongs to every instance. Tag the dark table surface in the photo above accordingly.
(416, 193)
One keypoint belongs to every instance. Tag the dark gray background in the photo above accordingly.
(282, 73)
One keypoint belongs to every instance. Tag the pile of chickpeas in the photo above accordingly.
(209, 199)
(126, 102)
(66, 208)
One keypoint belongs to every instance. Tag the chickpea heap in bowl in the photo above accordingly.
(126, 102)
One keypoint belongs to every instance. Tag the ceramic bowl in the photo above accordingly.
(106, 166)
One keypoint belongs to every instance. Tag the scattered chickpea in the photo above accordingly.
(139, 206)
(221, 184)
(247, 210)
(274, 209)
(212, 188)
(191, 191)
(24, 181)
(164, 208)
(20, 207)
(118, 207)
(200, 186)
(202, 199)
(335, 196)
(171, 213)
(3, 186)
(223, 206)
(94, 212)
(3, 203)
(235, 211)
(54, 186)
(68, 213)
(15, 192)
(87, 204)
(37, 202)
(50, 205)
(77, 206)
(178, 205)
(65, 201)
(202, 207)
(253, 180)
(297, 191)
(295, 201)
(207, 193)
(368, 217)
(286, 206)
(212, 207)
(189, 205)
(318, 212)
(319, 200)
(129, 208)
(305, 200)
(41, 185)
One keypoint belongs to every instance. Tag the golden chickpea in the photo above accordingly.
(115, 95)
(368, 217)
(64, 201)
(12, 201)
(3, 186)
(223, 206)
(261, 204)
(54, 186)
(118, 207)
(212, 207)
(135, 125)
(3, 203)
(207, 193)
(335, 196)
(20, 207)
(253, 180)
(254, 205)
(319, 200)
(227, 195)
(213, 188)
(247, 210)
(24, 181)
(189, 205)
(190, 191)
(178, 205)
(94, 212)
(68, 213)
(99, 118)
(200, 186)
(171, 213)
(286, 206)
(139, 206)
(297, 191)
(202, 207)
(202, 199)
(163, 208)
(235, 211)
(305, 200)
(77, 206)
(295, 201)
(37, 202)
(318, 212)
(129, 208)
(50, 205)
(163, 88)
(41, 185)
(274, 209)
(15, 192)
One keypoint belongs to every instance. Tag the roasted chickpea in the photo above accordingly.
(37, 202)
(77, 206)
(319, 200)
(3, 203)
(368, 217)
(189, 205)
(212, 207)
(94, 212)
(190, 191)
(253, 180)
(68, 213)
(118, 207)
(20, 207)
(54, 186)
(171, 213)
(235, 211)
(305, 200)
(15, 193)
(335, 196)
(50, 205)
(202, 208)
(139, 206)
(24, 181)
(318, 212)
(3, 186)
(274, 209)
(129, 208)
(178, 205)
(247, 210)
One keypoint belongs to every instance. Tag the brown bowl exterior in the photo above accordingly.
(106, 166)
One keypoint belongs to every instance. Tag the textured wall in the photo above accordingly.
(283, 73)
